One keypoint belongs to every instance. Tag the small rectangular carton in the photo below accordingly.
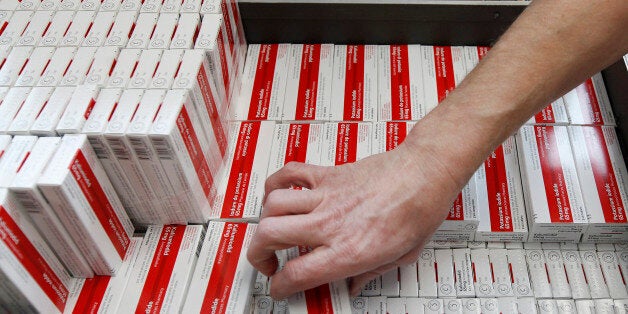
(187, 31)
(122, 29)
(76, 32)
(78, 109)
(144, 26)
(56, 69)
(211, 39)
(36, 28)
(11, 105)
(56, 30)
(146, 67)
(14, 157)
(14, 64)
(164, 31)
(400, 83)
(167, 69)
(76, 72)
(443, 68)
(35, 66)
(588, 104)
(13, 31)
(296, 142)
(575, 273)
(346, 142)
(46, 122)
(125, 67)
(519, 272)
(31, 108)
(102, 25)
(104, 61)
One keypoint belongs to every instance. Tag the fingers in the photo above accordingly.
(290, 202)
(359, 281)
(294, 174)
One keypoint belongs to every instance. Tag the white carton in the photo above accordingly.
(443, 68)
(575, 274)
(16, 26)
(131, 5)
(538, 274)
(473, 55)
(36, 206)
(163, 270)
(32, 107)
(82, 197)
(433, 306)
(588, 104)
(453, 306)
(394, 306)
(151, 6)
(167, 69)
(102, 25)
(211, 39)
(186, 31)
(14, 65)
(223, 277)
(146, 67)
(110, 5)
(373, 287)
(390, 283)
(78, 109)
(295, 142)
(388, 135)
(36, 65)
(375, 305)
(445, 273)
(170, 6)
(519, 272)
(263, 83)
(261, 286)
(122, 29)
(28, 265)
(346, 142)
(409, 280)
(164, 31)
(59, 63)
(400, 83)
(427, 274)
(89, 5)
(241, 190)
(483, 275)
(613, 275)
(603, 178)
(354, 83)
(11, 105)
(463, 272)
(190, 6)
(78, 29)
(144, 26)
(585, 306)
(76, 72)
(46, 122)
(5, 141)
(308, 89)
(555, 113)
(235, 31)
(4, 53)
(70, 5)
(555, 208)
(471, 306)
(548, 306)
(102, 66)
(57, 28)
(621, 306)
(127, 63)
(13, 159)
(360, 305)
(557, 274)
(604, 306)
(36, 28)
(500, 196)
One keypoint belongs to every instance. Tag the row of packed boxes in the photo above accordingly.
(148, 6)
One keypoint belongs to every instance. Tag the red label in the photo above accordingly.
(91, 296)
(224, 269)
(212, 111)
(28, 256)
(354, 83)
(308, 82)
(395, 134)
(241, 167)
(482, 51)
(3, 27)
(317, 300)
(553, 178)
(236, 16)
(99, 203)
(296, 149)
(89, 108)
(263, 83)
(161, 269)
(227, 21)
(196, 153)
(400, 83)
(497, 192)
(546, 115)
(444, 66)
(456, 212)
(223, 62)
(589, 104)
(604, 175)
(346, 143)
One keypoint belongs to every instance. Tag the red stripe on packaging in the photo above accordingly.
(241, 167)
(4, 26)
(227, 21)
(346, 143)
(223, 62)
(604, 175)
(400, 82)
(92, 293)
(263, 84)
(196, 153)
(317, 300)
(444, 67)
(482, 51)
(589, 103)
(395, 134)
(212, 110)
(98, 201)
(456, 212)
(89, 108)
(308, 82)
(224, 268)
(28, 256)
(296, 148)
(553, 178)
(497, 191)
(546, 115)
(354, 83)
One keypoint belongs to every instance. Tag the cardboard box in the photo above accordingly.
(396, 305)
(76, 72)
(167, 69)
(585, 306)
(56, 69)
(35, 66)
(400, 83)
(103, 23)
(604, 305)
(409, 280)
(36, 28)
(295, 142)
(13, 31)
(613, 275)
(111, 5)
(187, 30)
(502, 277)
(78, 109)
(56, 30)
(354, 83)
(190, 6)
(131, 5)
(78, 29)
(263, 305)
(30, 110)
(390, 283)
(146, 67)
(445, 273)
(70, 5)
(103, 64)
(142, 31)
(557, 274)
(519, 272)
(233, 24)
(483, 275)
(11, 105)
(89, 5)
(122, 28)
(46, 122)
(261, 287)
(223, 277)
(151, 6)
(211, 39)
(588, 103)
(443, 68)
(575, 274)
(538, 274)
(14, 64)
(473, 55)
(14, 157)
(125, 68)
(373, 287)
(5, 141)
(554, 113)
(388, 135)
(164, 31)
(427, 274)
(593, 274)
(346, 142)
(463, 272)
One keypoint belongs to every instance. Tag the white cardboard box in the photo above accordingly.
(15, 155)
(354, 83)
(427, 274)
(36, 27)
(554, 113)
(463, 273)
(110, 5)
(593, 274)
(575, 273)
(105, 60)
(125, 68)
(167, 69)
(103, 22)
(59, 63)
(146, 67)
(122, 28)
(14, 64)
(31, 108)
(211, 39)
(400, 83)
(538, 274)
(483, 276)
(81, 23)
(46, 122)
(13, 31)
(588, 104)
(76, 72)
(164, 31)
(557, 274)
(186, 31)
(346, 142)
(11, 105)
(295, 142)
(35, 66)
(57, 28)
(78, 109)
(142, 31)
(613, 275)
(519, 272)
(443, 68)
(388, 135)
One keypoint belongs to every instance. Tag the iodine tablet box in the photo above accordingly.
(103, 22)
(211, 39)
(163, 269)
(588, 104)
(151, 6)
(36, 65)
(308, 89)
(76, 72)
(89, 5)
(390, 283)
(167, 69)
(427, 274)
(56, 30)
(593, 274)
(28, 265)
(78, 109)
(388, 135)
(575, 274)
(235, 31)
(59, 64)
(31, 108)
(78, 29)
(13, 31)
(146, 66)
(46, 122)
(104, 61)
(124, 69)
(10, 106)
(400, 83)
(14, 64)
(187, 30)
(110, 5)
(263, 83)
(5, 141)
(241, 189)
(346, 142)
(409, 280)
(122, 29)
(36, 28)
(131, 5)
(25, 190)
(443, 68)
(296, 142)
(500, 196)
(103, 293)
(473, 55)
(81, 195)
(613, 276)
(519, 272)
(354, 83)
(14, 157)
(555, 208)
(554, 113)
(502, 277)
(70, 5)
(164, 31)
(482, 273)
(190, 6)
(142, 31)
(463, 273)
(538, 274)
(223, 277)
(604, 182)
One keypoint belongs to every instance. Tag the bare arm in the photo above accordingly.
(371, 216)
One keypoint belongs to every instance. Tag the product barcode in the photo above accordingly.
(28, 201)
(163, 148)
(119, 149)
(99, 148)
(140, 148)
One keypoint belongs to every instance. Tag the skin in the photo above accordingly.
(371, 216)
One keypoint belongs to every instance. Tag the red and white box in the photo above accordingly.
(211, 39)
(388, 135)
(131, 5)
(89, 5)
(15, 155)
(538, 274)
(78, 109)
(482, 273)
(122, 29)
(5, 16)
(223, 277)
(588, 104)
(170, 6)
(241, 189)
(395, 305)
(500, 196)
(27, 194)
(146, 67)
(190, 6)
(443, 68)
(473, 55)
(14, 64)
(151, 6)
(390, 283)
(555, 113)
(308, 89)
(103, 64)
(4, 53)
(575, 274)
(76, 72)
(126, 65)
(603, 179)
(59, 64)
(110, 5)
(13, 31)
(186, 31)
(556, 209)
(5, 140)
(464, 217)
(354, 83)
(76, 32)
(557, 274)
(233, 23)
(28, 265)
(463, 272)
(613, 275)
(502, 277)
(296, 142)
(163, 269)
(445, 273)
(102, 25)
(31, 108)
(36, 65)
(167, 69)
(11, 105)
(104, 293)
(81, 195)
(144, 26)
(593, 274)
(346, 142)
(427, 274)
(70, 5)
(181, 145)
(46, 122)
(400, 83)
(56, 30)
(263, 83)
(409, 280)
(164, 31)
(36, 28)
(519, 272)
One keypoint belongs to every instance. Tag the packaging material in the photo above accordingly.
(443, 68)
(538, 274)
(190, 6)
(585, 306)
(146, 67)
(11, 105)
(110, 5)
(104, 62)
(223, 277)
(427, 274)
(588, 104)
(211, 39)
(5, 141)
(122, 28)
(566, 306)
(103, 23)
(548, 306)
(554, 113)
(261, 286)
(56, 30)
(16, 26)
(400, 83)
(233, 23)
(30, 110)
(35, 66)
(75, 34)
(167, 69)
(575, 274)
(388, 135)
(76, 72)
(15, 62)
(483, 275)
(36, 28)
(604, 306)
(557, 274)
(502, 277)
(519, 272)
(163, 270)
(433, 306)
(82, 197)
(373, 287)
(473, 55)
(142, 31)
(59, 64)
(593, 274)
(186, 31)
(613, 275)
(131, 5)
(471, 306)
(526, 305)
(89, 5)
(46, 122)
(125, 68)
(295, 142)
(78, 109)
(463, 272)
(445, 273)
(409, 280)
(555, 208)
(390, 283)
(164, 31)
(151, 6)
(346, 142)
(14, 157)
(396, 305)
(70, 5)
